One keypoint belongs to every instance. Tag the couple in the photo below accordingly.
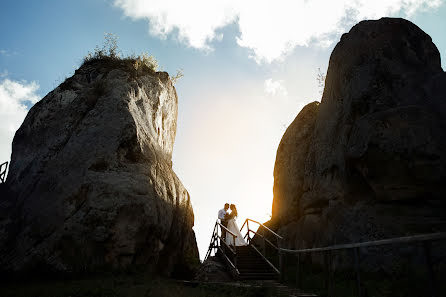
(228, 220)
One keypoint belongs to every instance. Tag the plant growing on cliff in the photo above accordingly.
(177, 76)
(110, 51)
(145, 60)
(320, 77)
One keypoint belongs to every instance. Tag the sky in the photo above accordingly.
(249, 67)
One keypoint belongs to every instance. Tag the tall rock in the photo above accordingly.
(369, 161)
(91, 185)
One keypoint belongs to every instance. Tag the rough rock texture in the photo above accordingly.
(213, 270)
(91, 181)
(369, 161)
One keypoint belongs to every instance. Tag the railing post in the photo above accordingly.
(298, 271)
(212, 243)
(280, 258)
(328, 273)
(3, 169)
(235, 252)
(263, 242)
(430, 270)
(247, 226)
(358, 277)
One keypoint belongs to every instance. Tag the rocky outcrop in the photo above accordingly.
(213, 270)
(91, 181)
(369, 161)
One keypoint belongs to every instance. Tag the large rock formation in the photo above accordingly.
(91, 181)
(369, 161)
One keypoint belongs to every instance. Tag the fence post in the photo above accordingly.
(3, 169)
(235, 256)
(410, 278)
(247, 227)
(298, 271)
(328, 280)
(430, 270)
(280, 258)
(358, 277)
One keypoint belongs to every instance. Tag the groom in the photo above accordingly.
(223, 216)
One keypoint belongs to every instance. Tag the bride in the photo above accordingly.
(232, 226)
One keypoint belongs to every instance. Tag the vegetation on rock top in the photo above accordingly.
(110, 54)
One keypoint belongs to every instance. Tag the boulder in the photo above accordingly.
(91, 181)
(369, 161)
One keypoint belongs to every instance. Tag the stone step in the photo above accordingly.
(257, 265)
(245, 276)
(251, 260)
(254, 267)
(250, 264)
(245, 271)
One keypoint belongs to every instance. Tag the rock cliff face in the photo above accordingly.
(369, 161)
(91, 181)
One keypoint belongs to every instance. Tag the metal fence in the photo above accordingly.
(327, 255)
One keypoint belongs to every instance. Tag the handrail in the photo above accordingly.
(266, 239)
(232, 266)
(211, 243)
(263, 226)
(229, 251)
(3, 171)
(227, 230)
(261, 234)
(243, 225)
(227, 245)
(426, 239)
(266, 260)
(215, 236)
(405, 239)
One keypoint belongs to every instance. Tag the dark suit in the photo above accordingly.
(223, 231)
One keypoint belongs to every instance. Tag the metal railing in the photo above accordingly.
(3, 168)
(229, 251)
(219, 243)
(263, 234)
(425, 239)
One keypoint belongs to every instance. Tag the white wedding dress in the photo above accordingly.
(232, 226)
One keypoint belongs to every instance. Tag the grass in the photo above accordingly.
(108, 57)
(110, 54)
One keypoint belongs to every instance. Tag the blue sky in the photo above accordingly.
(249, 69)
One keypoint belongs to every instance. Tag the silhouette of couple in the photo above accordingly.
(228, 220)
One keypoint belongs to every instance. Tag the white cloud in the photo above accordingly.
(271, 30)
(274, 88)
(195, 20)
(7, 53)
(14, 98)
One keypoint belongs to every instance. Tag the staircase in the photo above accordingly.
(251, 265)
(244, 262)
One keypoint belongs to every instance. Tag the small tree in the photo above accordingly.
(177, 76)
(148, 60)
(109, 49)
(111, 45)
(320, 77)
